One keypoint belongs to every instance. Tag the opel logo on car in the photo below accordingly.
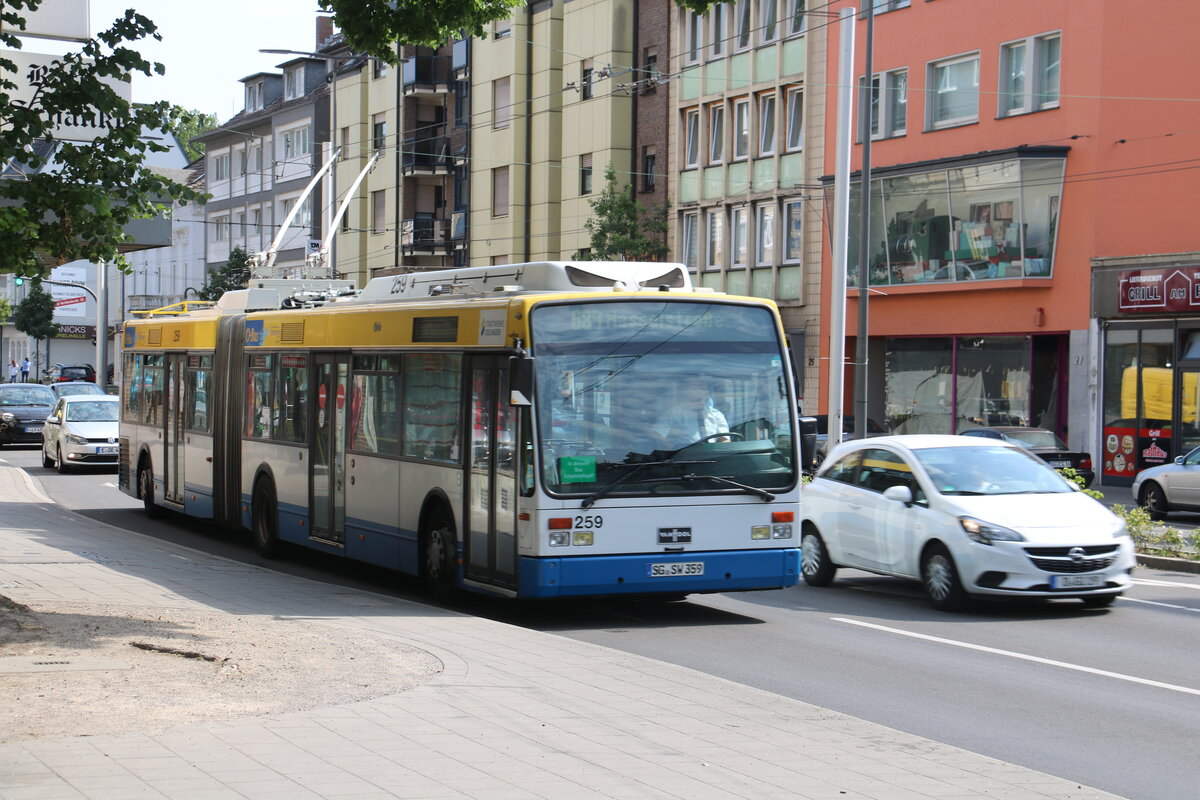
(1077, 554)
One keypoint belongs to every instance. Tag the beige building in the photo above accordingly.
(550, 112)
(746, 157)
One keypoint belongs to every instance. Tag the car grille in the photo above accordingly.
(1058, 559)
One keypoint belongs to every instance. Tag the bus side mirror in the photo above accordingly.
(520, 381)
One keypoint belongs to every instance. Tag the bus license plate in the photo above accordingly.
(106, 451)
(1076, 581)
(675, 569)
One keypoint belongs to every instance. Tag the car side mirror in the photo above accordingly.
(1179, 459)
(900, 494)
(53, 420)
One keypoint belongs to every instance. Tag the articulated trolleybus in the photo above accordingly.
(529, 430)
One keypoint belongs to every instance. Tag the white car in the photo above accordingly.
(81, 430)
(965, 517)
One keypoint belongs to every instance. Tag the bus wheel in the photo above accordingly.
(146, 490)
(265, 520)
(439, 557)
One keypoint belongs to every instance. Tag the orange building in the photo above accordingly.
(1031, 160)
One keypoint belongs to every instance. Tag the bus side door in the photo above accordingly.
(491, 520)
(327, 465)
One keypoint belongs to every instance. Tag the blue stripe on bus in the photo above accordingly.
(201, 504)
(723, 571)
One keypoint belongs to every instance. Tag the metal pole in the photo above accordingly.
(866, 116)
(102, 323)
(841, 226)
(332, 152)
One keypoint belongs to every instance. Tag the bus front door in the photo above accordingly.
(175, 386)
(490, 538)
(327, 465)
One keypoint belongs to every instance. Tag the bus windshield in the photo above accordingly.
(654, 397)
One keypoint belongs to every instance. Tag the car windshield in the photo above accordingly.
(1034, 438)
(78, 388)
(26, 396)
(92, 411)
(625, 387)
(989, 469)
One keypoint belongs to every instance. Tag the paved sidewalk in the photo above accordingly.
(514, 714)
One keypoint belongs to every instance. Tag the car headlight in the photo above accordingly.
(8, 416)
(76, 440)
(986, 533)
(1120, 529)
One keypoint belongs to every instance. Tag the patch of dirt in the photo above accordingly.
(182, 666)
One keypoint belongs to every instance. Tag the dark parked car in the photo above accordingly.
(1042, 443)
(74, 372)
(873, 429)
(23, 411)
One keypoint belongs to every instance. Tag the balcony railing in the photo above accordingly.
(424, 74)
(424, 237)
(427, 156)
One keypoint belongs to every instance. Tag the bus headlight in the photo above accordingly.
(760, 532)
(560, 538)
(783, 531)
(583, 538)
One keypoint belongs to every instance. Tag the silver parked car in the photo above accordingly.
(1170, 487)
(81, 430)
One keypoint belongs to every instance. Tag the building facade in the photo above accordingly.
(1019, 171)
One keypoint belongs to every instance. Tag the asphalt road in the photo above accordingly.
(1105, 697)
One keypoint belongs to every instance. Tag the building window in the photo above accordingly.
(691, 37)
(585, 173)
(258, 161)
(740, 232)
(882, 6)
(345, 145)
(587, 72)
(649, 77)
(795, 16)
(768, 20)
(501, 102)
(716, 133)
(500, 192)
(1029, 74)
(346, 220)
(254, 96)
(889, 108)
(955, 96)
(297, 143)
(691, 138)
(716, 31)
(764, 236)
(793, 221)
(256, 221)
(303, 218)
(714, 254)
(220, 167)
(502, 28)
(241, 225)
(795, 119)
(378, 68)
(243, 161)
(462, 103)
(221, 229)
(379, 132)
(649, 164)
(741, 128)
(766, 124)
(378, 210)
(742, 24)
(293, 83)
(690, 236)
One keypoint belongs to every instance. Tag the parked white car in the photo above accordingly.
(1169, 487)
(81, 430)
(965, 517)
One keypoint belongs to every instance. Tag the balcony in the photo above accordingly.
(427, 156)
(424, 237)
(427, 75)
(460, 58)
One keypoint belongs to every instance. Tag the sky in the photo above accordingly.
(209, 45)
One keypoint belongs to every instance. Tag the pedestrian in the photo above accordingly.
(12, 372)
(25, 365)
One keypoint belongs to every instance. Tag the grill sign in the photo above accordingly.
(1158, 290)
(674, 535)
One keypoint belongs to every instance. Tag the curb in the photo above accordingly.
(1166, 562)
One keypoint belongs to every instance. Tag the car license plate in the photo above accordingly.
(33, 428)
(106, 451)
(1076, 581)
(675, 569)
(1060, 464)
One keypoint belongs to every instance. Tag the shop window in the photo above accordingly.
(918, 385)
(1029, 74)
(954, 99)
(991, 385)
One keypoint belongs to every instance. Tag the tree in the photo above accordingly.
(373, 27)
(6, 310)
(78, 209)
(191, 124)
(235, 274)
(622, 229)
(35, 314)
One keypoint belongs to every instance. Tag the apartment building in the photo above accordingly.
(745, 157)
(1029, 260)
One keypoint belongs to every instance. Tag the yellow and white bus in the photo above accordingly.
(529, 430)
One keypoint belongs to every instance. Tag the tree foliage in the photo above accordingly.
(622, 229)
(234, 274)
(374, 27)
(6, 309)
(190, 125)
(35, 314)
(78, 209)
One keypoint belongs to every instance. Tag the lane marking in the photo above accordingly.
(1151, 582)
(1021, 656)
(1155, 603)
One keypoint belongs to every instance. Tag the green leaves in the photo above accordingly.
(235, 274)
(374, 27)
(35, 314)
(622, 229)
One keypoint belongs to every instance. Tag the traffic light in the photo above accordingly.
(19, 281)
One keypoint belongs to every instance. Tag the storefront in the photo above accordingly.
(1148, 310)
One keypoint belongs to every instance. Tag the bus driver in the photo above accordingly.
(694, 418)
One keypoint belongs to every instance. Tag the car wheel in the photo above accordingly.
(940, 577)
(815, 565)
(1100, 600)
(1154, 500)
(439, 557)
(265, 520)
(63, 467)
(146, 490)
(47, 461)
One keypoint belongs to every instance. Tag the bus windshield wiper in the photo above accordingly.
(637, 467)
(754, 490)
